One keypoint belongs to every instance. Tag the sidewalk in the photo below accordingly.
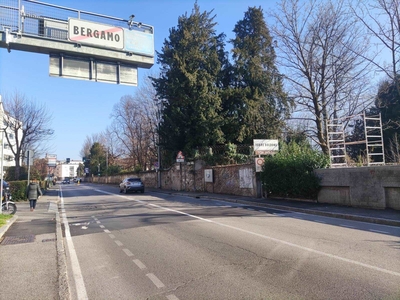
(30, 252)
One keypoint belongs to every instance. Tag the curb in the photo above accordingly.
(3, 229)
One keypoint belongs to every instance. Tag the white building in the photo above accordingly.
(7, 155)
(64, 169)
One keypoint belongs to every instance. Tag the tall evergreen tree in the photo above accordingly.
(190, 68)
(257, 104)
(387, 102)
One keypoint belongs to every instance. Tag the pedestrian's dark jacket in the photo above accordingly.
(33, 191)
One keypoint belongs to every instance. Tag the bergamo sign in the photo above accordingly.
(97, 34)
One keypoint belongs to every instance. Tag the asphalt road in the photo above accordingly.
(154, 246)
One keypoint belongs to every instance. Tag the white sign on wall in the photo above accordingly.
(97, 34)
(208, 175)
(246, 178)
(265, 146)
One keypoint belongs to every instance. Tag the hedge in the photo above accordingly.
(290, 173)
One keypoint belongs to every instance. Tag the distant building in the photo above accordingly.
(8, 156)
(66, 170)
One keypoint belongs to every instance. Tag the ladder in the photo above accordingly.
(336, 143)
(374, 140)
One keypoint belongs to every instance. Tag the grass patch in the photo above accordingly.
(4, 218)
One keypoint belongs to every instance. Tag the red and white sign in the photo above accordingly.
(259, 163)
(180, 158)
(97, 34)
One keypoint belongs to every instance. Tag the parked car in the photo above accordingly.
(131, 185)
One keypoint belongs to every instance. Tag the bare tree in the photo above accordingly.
(90, 140)
(320, 50)
(134, 125)
(381, 18)
(29, 122)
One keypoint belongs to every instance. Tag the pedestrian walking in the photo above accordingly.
(33, 193)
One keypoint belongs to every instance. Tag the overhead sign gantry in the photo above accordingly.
(80, 44)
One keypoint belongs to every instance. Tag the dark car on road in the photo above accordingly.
(131, 185)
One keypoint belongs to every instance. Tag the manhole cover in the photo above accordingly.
(10, 240)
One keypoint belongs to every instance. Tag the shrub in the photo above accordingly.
(18, 190)
(290, 173)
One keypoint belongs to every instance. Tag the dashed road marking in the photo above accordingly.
(127, 252)
(172, 297)
(118, 243)
(157, 282)
(98, 222)
(107, 231)
(283, 242)
(111, 236)
(139, 264)
(102, 226)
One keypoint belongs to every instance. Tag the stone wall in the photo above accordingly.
(370, 187)
(232, 179)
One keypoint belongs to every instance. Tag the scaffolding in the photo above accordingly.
(373, 141)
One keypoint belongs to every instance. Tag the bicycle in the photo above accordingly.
(8, 207)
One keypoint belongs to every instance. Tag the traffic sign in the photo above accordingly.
(180, 158)
(259, 163)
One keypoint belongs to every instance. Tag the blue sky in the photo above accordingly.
(82, 108)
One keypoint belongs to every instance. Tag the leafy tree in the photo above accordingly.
(388, 104)
(190, 68)
(97, 158)
(258, 103)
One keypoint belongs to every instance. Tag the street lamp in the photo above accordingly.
(159, 109)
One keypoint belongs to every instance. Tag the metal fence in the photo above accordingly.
(31, 17)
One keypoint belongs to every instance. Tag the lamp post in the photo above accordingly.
(159, 104)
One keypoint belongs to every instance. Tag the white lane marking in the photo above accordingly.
(157, 282)
(98, 222)
(102, 226)
(118, 243)
(278, 214)
(76, 269)
(172, 297)
(379, 231)
(107, 231)
(139, 264)
(265, 237)
(111, 236)
(348, 226)
(319, 221)
(84, 227)
(127, 252)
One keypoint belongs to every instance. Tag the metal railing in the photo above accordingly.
(31, 17)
